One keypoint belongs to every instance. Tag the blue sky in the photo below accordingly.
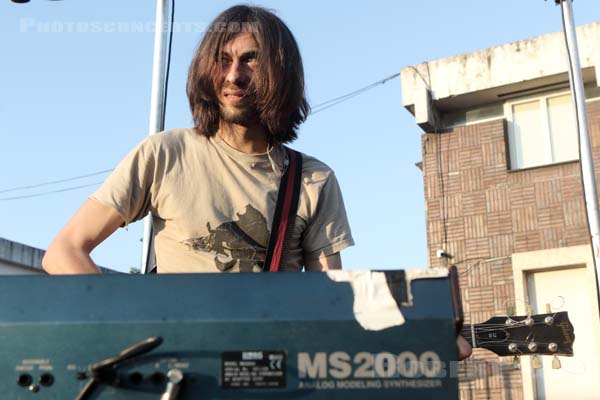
(75, 102)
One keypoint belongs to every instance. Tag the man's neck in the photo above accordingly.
(247, 139)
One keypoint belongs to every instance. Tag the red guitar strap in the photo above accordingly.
(285, 210)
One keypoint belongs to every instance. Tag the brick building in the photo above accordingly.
(503, 196)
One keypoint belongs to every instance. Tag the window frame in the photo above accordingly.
(545, 123)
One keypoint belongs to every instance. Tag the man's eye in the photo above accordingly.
(225, 61)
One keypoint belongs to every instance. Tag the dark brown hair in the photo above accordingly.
(277, 83)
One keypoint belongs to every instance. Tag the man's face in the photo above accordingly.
(238, 63)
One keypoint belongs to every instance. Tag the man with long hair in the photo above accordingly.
(212, 189)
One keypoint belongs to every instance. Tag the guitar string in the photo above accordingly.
(505, 327)
(490, 327)
(516, 322)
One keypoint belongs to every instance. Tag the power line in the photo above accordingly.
(439, 158)
(333, 102)
(318, 108)
(55, 182)
(49, 192)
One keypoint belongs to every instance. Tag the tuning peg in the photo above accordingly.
(536, 362)
(529, 310)
(555, 362)
(548, 308)
(516, 363)
(510, 310)
(532, 347)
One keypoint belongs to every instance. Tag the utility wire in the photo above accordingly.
(330, 103)
(439, 151)
(49, 192)
(99, 172)
(55, 182)
(318, 108)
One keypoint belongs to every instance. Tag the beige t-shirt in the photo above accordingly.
(212, 206)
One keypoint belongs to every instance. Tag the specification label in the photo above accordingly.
(259, 369)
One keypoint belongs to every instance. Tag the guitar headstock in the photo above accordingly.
(544, 334)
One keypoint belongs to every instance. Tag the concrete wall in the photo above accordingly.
(569, 271)
(486, 76)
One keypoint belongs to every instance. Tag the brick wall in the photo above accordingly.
(490, 213)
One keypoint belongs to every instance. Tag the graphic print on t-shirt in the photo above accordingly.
(242, 242)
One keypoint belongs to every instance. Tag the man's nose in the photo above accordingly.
(235, 74)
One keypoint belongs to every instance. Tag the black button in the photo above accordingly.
(46, 380)
(24, 380)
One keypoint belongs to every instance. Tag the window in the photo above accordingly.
(541, 131)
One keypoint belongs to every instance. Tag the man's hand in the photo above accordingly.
(69, 252)
(464, 348)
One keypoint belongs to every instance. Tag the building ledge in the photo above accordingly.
(25, 256)
(496, 74)
(21, 254)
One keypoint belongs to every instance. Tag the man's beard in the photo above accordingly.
(243, 113)
(244, 116)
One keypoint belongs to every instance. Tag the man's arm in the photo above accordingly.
(69, 252)
(333, 261)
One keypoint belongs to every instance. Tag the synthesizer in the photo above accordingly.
(336, 335)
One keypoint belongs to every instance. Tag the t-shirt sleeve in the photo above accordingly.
(129, 189)
(328, 231)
